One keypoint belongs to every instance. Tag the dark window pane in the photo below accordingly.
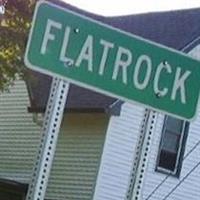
(172, 146)
(11, 190)
(10, 196)
(167, 160)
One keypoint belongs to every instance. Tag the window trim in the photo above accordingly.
(180, 153)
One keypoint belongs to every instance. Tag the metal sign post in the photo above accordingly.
(144, 147)
(51, 127)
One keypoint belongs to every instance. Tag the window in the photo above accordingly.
(172, 146)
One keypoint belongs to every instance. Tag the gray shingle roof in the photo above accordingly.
(174, 29)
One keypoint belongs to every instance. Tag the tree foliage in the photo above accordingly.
(14, 28)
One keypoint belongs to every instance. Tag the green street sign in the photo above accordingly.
(105, 59)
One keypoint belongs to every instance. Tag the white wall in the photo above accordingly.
(190, 187)
(119, 154)
(117, 159)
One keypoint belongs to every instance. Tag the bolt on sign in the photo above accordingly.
(105, 59)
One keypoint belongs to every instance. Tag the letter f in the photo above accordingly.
(48, 35)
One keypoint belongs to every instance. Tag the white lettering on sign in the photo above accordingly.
(63, 51)
(179, 85)
(107, 46)
(86, 53)
(123, 60)
(162, 66)
(122, 63)
(48, 35)
(148, 63)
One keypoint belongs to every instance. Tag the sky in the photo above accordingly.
(123, 7)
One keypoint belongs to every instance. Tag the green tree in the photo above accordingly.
(14, 28)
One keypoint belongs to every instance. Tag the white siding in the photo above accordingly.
(190, 187)
(118, 155)
(119, 151)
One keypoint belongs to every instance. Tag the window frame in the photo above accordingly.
(180, 152)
